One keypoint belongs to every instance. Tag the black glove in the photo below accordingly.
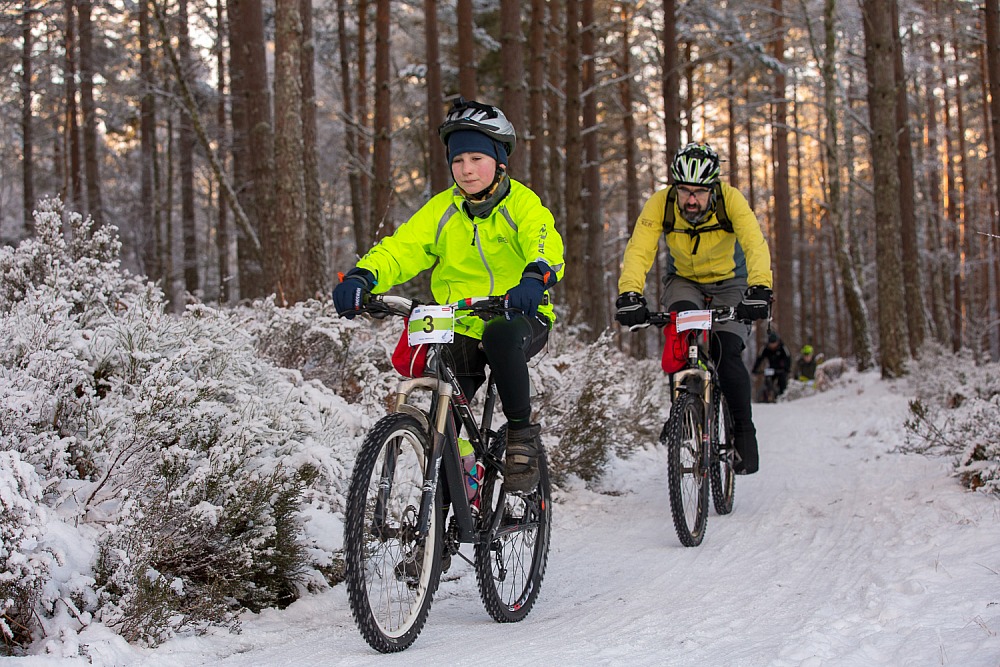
(350, 294)
(756, 304)
(631, 309)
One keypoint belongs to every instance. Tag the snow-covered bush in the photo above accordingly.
(187, 462)
(599, 403)
(956, 412)
(24, 562)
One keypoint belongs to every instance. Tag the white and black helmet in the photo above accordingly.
(695, 164)
(471, 115)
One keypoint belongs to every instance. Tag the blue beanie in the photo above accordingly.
(471, 141)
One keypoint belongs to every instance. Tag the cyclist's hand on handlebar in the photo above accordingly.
(632, 310)
(756, 303)
(527, 295)
(352, 291)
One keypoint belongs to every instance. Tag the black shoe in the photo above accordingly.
(745, 442)
(521, 463)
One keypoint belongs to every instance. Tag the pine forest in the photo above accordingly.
(253, 147)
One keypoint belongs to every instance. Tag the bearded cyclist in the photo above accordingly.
(715, 249)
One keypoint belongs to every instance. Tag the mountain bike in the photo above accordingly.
(698, 433)
(769, 386)
(408, 476)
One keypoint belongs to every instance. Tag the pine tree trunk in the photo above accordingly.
(363, 145)
(512, 75)
(993, 70)
(636, 343)
(912, 265)
(185, 141)
(284, 234)
(74, 176)
(555, 119)
(784, 249)
(576, 231)
(222, 223)
(853, 297)
(382, 156)
(27, 138)
(467, 86)
(438, 170)
(596, 303)
(536, 98)
(671, 81)
(88, 107)
(254, 138)
(879, 58)
(314, 255)
(358, 216)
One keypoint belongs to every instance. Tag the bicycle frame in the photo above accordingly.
(447, 400)
(700, 379)
(700, 376)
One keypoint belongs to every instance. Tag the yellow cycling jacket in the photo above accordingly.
(719, 255)
(471, 257)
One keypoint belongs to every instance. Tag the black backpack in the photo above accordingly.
(724, 223)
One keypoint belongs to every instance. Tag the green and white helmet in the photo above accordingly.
(471, 115)
(695, 164)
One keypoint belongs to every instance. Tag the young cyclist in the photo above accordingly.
(486, 235)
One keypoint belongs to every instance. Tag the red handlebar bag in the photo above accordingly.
(674, 348)
(409, 361)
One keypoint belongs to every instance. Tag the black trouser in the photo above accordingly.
(506, 347)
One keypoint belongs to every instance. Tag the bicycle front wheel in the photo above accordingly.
(722, 474)
(510, 567)
(392, 570)
(686, 472)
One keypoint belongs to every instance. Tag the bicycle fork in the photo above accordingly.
(698, 382)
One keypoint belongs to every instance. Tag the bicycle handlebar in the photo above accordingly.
(483, 306)
(663, 318)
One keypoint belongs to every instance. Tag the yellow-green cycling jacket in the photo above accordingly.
(720, 255)
(471, 257)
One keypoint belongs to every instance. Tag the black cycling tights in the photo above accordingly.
(506, 347)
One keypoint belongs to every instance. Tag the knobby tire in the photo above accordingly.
(685, 470)
(722, 474)
(392, 574)
(509, 569)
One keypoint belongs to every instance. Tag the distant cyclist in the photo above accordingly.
(775, 356)
(715, 249)
(805, 365)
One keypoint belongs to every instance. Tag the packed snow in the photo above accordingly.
(840, 551)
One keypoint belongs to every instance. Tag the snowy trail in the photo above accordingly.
(837, 553)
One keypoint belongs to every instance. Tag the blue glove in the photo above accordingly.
(527, 295)
(352, 291)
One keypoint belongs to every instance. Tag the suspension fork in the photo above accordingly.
(440, 408)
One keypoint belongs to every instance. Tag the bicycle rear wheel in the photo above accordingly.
(392, 571)
(686, 471)
(722, 474)
(509, 569)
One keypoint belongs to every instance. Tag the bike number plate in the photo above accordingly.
(431, 324)
(694, 319)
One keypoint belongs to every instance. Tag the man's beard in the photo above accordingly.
(692, 216)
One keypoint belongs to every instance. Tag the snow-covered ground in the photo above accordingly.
(838, 552)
